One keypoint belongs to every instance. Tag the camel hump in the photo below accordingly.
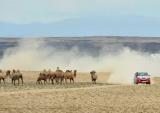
(68, 70)
(18, 70)
(59, 71)
(8, 71)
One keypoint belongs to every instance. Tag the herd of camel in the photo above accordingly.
(14, 75)
(58, 76)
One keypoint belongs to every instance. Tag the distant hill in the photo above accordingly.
(87, 26)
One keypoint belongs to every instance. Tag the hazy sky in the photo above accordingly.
(37, 13)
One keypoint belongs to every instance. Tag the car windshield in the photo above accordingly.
(143, 74)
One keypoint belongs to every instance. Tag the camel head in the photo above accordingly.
(67, 70)
(92, 72)
(14, 70)
(8, 73)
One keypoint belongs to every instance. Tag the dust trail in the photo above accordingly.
(35, 54)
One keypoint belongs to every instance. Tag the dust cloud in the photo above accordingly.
(37, 55)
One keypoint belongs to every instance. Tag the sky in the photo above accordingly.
(27, 18)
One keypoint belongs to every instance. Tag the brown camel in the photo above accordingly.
(16, 75)
(41, 77)
(70, 75)
(93, 76)
(8, 72)
(2, 77)
(59, 76)
(45, 76)
(52, 77)
(48, 74)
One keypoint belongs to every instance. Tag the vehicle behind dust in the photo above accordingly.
(142, 77)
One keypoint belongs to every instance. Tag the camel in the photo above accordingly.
(16, 75)
(59, 76)
(8, 72)
(41, 77)
(2, 77)
(70, 75)
(44, 76)
(52, 76)
(93, 76)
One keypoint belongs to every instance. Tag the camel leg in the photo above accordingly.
(66, 80)
(22, 80)
(18, 81)
(61, 81)
(49, 80)
(14, 82)
(0, 81)
(3, 80)
(46, 81)
(57, 80)
(93, 80)
(52, 80)
(73, 80)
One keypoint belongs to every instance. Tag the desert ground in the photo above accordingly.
(80, 97)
